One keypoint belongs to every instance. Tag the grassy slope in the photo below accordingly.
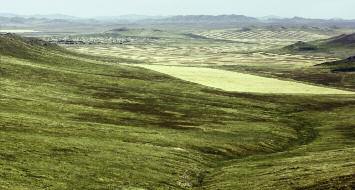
(318, 74)
(345, 65)
(72, 123)
(324, 163)
(337, 75)
(342, 46)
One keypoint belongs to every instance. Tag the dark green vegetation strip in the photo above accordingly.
(66, 123)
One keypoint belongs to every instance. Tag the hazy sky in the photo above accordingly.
(91, 8)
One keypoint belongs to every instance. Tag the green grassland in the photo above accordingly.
(74, 121)
(252, 51)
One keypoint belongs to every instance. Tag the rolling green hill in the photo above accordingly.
(14, 45)
(70, 121)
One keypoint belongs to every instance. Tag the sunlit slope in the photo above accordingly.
(239, 82)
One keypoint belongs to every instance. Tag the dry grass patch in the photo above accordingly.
(240, 82)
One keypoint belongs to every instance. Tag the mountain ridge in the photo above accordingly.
(8, 19)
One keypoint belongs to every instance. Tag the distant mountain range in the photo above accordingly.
(13, 20)
(131, 17)
(209, 19)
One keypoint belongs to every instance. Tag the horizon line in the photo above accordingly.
(10, 14)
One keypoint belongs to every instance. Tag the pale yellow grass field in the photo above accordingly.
(239, 82)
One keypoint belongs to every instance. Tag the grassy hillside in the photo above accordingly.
(69, 121)
(341, 46)
(345, 65)
(338, 71)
